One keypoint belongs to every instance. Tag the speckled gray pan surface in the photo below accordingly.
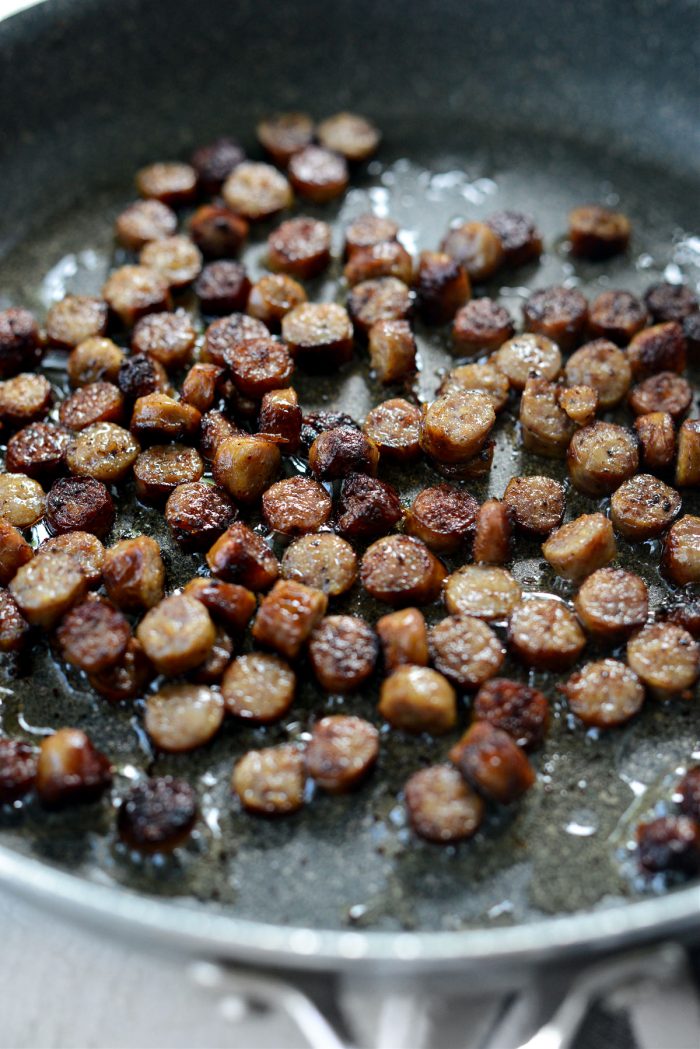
(533, 105)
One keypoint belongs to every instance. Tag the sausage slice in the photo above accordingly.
(270, 782)
(545, 634)
(177, 634)
(581, 546)
(466, 650)
(342, 652)
(612, 603)
(258, 687)
(536, 503)
(517, 709)
(665, 657)
(681, 558)
(325, 562)
(417, 699)
(644, 507)
(183, 717)
(341, 752)
(401, 570)
(157, 815)
(604, 694)
(441, 807)
(493, 763)
(487, 592)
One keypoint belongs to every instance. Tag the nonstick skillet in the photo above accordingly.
(538, 106)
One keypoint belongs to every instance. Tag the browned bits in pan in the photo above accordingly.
(341, 752)
(481, 378)
(317, 174)
(245, 466)
(417, 699)
(257, 191)
(37, 450)
(94, 360)
(528, 355)
(492, 533)
(273, 296)
(466, 650)
(75, 318)
(536, 503)
(134, 573)
(669, 843)
(342, 450)
(604, 694)
(20, 341)
(688, 460)
(518, 235)
(325, 562)
(394, 427)
(663, 392)
(179, 718)
(644, 507)
(476, 247)
(128, 679)
(160, 417)
(259, 366)
(665, 657)
(166, 337)
(455, 427)
(517, 709)
(14, 629)
(217, 232)
(386, 298)
(287, 615)
(388, 258)
(300, 247)
(222, 287)
(228, 604)
(143, 221)
(215, 161)
(612, 603)
(199, 387)
(688, 792)
(342, 652)
(604, 367)
(17, 770)
(559, 313)
(401, 570)
(157, 815)
(79, 504)
(544, 633)
(22, 500)
(493, 763)
(368, 230)
(484, 591)
(546, 428)
(480, 326)
(103, 451)
(403, 636)
(70, 770)
(661, 348)
(392, 350)
(442, 286)
(224, 336)
(442, 808)
(616, 315)
(94, 635)
(280, 417)
(670, 302)
(133, 291)
(296, 505)
(270, 782)
(657, 439)
(98, 402)
(15, 551)
(86, 550)
(170, 181)
(598, 233)
(319, 335)
(367, 507)
(601, 456)
(197, 513)
(160, 469)
(177, 259)
(579, 402)
(284, 134)
(443, 517)
(581, 546)
(176, 634)
(24, 399)
(46, 587)
(681, 559)
(258, 687)
(141, 375)
(353, 136)
(241, 556)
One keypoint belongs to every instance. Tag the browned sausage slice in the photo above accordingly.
(129, 679)
(97, 402)
(546, 427)
(257, 191)
(176, 634)
(367, 507)
(94, 360)
(134, 573)
(545, 634)
(15, 551)
(392, 350)
(24, 399)
(663, 392)
(353, 136)
(519, 236)
(93, 635)
(443, 517)
(156, 815)
(466, 650)
(477, 248)
(441, 807)
(612, 603)
(394, 426)
(665, 657)
(342, 450)
(661, 348)
(442, 287)
(688, 459)
(245, 465)
(456, 426)
(133, 291)
(526, 355)
(403, 636)
(75, 318)
(70, 769)
(319, 335)
(79, 504)
(228, 604)
(14, 630)
(17, 769)
(317, 174)
(22, 500)
(86, 549)
(493, 763)
(37, 450)
(616, 315)
(559, 313)
(142, 221)
(581, 546)
(160, 469)
(258, 687)
(601, 456)
(657, 439)
(517, 709)
(536, 503)
(217, 231)
(342, 652)
(182, 717)
(681, 559)
(46, 587)
(603, 367)
(367, 230)
(241, 556)
(492, 533)
(197, 513)
(103, 451)
(401, 570)
(284, 134)
(644, 507)
(280, 417)
(484, 378)
(287, 615)
(296, 506)
(273, 296)
(417, 699)
(325, 562)
(484, 591)
(341, 752)
(271, 782)
(168, 338)
(669, 843)
(378, 299)
(259, 366)
(604, 694)
(300, 247)
(598, 233)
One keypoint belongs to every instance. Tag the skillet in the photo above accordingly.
(538, 106)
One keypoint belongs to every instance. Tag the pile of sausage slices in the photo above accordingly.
(206, 424)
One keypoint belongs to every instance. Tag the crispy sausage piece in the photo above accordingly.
(17, 770)
(546, 428)
(581, 546)
(688, 459)
(197, 513)
(401, 570)
(663, 392)
(661, 348)
(222, 287)
(670, 302)
(158, 417)
(270, 782)
(403, 636)
(367, 507)
(257, 191)
(217, 232)
(644, 507)
(97, 402)
(22, 500)
(287, 615)
(103, 451)
(336, 453)
(598, 233)
(383, 298)
(47, 586)
(493, 763)
(465, 650)
(394, 426)
(417, 699)
(141, 375)
(442, 286)
(487, 592)
(79, 504)
(169, 181)
(21, 344)
(544, 633)
(245, 465)
(177, 634)
(657, 439)
(168, 338)
(665, 657)
(480, 327)
(157, 815)
(325, 562)
(343, 652)
(70, 770)
(300, 247)
(161, 468)
(128, 679)
(688, 793)
(179, 718)
(341, 752)
(536, 503)
(579, 402)
(228, 604)
(441, 807)
(93, 635)
(14, 629)
(616, 315)
(24, 399)
(492, 533)
(241, 556)
(94, 360)
(317, 174)
(258, 687)
(215, 161)
(387, 258)
(133, 291)
(443, 517)
(314, 424)
(669, 843)
(273, 296)
(527, 355)
(15, 551)
(559, 313)
(681, 558)
(353, 136)
(86, 550)
(177, 259)
(456, 426)
(75, 318)
(602, 366)
(143, 221)
(134, 574)
(519, 237)
(223, 337)
(280, 417)
(296, 505)
(601, 456)
(318, 335)
(200, 385)
(368, 230)
(484, 378)
(604, 694)
(612, 603)
(284, 134)
(215, 428)
(259, 366)
(392, 351)
(477, 248)
(517, 709)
